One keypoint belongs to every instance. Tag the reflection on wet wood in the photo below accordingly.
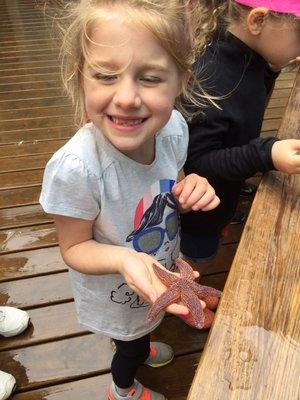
(253, 348)
(23, 293)
(27, 238)
(30, 263)
(23, 216)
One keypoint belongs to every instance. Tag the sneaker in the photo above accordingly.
(238, 218)
(160, 354)
(12, 321)
(248, 189)
(138, 392)
(7, 385)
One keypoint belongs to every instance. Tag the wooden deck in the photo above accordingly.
(56, 359)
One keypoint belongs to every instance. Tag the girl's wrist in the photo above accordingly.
(123, 261)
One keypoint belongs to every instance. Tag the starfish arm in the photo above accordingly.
(203, 291)
(186, 271)
(189, 299)
(166, 277)
(170, 296)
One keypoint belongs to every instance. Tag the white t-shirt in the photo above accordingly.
(132, 206)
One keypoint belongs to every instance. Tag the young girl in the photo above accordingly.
(115, 189)
(225, 146)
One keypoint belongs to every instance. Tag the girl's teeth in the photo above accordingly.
(127, 122)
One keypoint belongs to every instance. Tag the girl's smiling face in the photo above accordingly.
(134, 99)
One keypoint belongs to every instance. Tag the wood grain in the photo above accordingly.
(253, 349)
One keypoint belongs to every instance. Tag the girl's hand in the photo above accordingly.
(139, 275)
(195, 193)
(286, 156)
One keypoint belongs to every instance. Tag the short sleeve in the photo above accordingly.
(69, 188)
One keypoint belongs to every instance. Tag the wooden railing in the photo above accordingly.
(253, 350)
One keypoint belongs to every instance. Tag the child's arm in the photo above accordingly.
(194, 193)
(286, 156)
(87, 256)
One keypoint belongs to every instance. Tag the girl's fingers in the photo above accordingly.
(192, 191)
(213, 204)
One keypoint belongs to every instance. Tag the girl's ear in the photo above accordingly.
(256, 19)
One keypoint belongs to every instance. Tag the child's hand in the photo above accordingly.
(286, 156)
(292, 64)
(139, 275)
(195, 193)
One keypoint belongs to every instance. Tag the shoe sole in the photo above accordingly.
(160, 365)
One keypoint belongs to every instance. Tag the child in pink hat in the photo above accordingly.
(280, 6)
(249, 42)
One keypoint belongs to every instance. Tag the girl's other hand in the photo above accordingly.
(286, 156)
(195, 193)
(139, 275)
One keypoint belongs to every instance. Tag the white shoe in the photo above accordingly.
(12, 321)
(7, 385)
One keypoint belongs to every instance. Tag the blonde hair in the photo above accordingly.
(216, 14)
(174, 23)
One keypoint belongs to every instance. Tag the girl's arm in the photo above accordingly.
(82, 253)
(193, 192)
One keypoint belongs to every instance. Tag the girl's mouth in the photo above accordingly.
(126, 121)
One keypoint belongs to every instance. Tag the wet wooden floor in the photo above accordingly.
(56, 359)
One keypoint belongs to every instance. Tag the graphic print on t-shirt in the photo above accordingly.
(156, 228)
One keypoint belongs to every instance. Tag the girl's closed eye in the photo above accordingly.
(105, 78)
(151, 80)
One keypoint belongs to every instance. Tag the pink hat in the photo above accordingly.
(281, 6)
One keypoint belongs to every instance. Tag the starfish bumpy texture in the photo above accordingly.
(189, 292)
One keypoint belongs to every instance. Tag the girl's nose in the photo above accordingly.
(127, 94)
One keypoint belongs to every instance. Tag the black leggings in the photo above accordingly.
(128, 357)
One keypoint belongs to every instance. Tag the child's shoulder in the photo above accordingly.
(85, 149)
(176, 127)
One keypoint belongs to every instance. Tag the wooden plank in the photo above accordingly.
(23, 163)
(38, 85)
(30, 103)
(36, 134)
(9, 180)
(29, 71)
(33, 262)
(270, 124)
(38, 122)
(23, 293)
(19, 197)
(281, 102)
(50, 92)
(23, 216)
(28, 113)
(274, 113)
(253, 346)
(25, 149)
(27, 238)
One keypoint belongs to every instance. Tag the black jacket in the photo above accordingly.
(224, 145)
